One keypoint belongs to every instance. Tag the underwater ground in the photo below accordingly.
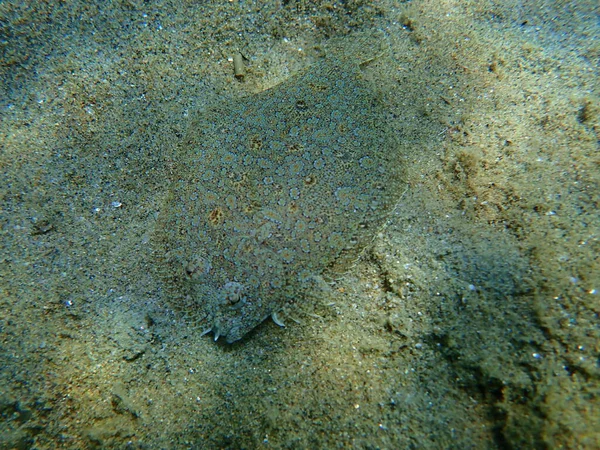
(470, 321)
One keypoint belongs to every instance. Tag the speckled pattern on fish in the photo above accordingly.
(275, 189)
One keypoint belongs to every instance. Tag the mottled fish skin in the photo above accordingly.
(275, 189)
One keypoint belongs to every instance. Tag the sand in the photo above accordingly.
(471, 321)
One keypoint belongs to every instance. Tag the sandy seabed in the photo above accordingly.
(470, 322)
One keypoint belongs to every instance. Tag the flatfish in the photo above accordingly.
(273, 191)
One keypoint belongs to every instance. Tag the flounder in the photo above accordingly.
(274, 190)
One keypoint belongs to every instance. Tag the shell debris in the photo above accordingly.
(275, 190)
(238, 66)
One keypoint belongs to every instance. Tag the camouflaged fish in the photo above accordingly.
(273, 191)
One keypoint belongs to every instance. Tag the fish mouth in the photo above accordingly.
(232, 330)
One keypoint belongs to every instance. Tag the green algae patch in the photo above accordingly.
(274, 191)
